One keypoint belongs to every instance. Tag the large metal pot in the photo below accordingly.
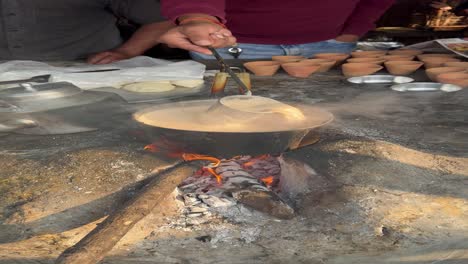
(221, 144)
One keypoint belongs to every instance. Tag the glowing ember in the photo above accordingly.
(248, 164)
(151, 148)
(268, 181)
(253, 161)
(263, 157)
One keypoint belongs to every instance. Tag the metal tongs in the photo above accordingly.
(244, 89)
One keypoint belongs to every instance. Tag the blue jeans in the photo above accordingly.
(264, 51)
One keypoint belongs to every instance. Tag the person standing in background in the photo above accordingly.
(77, 29)
(265, 28)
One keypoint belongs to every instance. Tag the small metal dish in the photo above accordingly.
(369, 79)
(426, 87)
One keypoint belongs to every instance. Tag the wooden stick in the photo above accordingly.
(94, 246)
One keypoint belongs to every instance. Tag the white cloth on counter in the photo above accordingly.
(137, 69)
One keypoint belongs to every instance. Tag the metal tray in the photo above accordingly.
(370, 79)
(426, 87)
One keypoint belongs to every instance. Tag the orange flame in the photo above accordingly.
(165, 147)
(190, 157)
(155, 147)
(215, 162)
(151, 148)
(210, 168)
(219, 178)
(268, 181)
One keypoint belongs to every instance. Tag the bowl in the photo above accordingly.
(285, 59)
(432, 73)
(433, 55)
(406, 52)
(263, 68)
(300, 69)
(457, 78)
(359, 69)
(398, 58)
(368, 53)
(403, 67)
(461, 64)
(374, 60)
(433, 62)
(338, 57)
(325, 64)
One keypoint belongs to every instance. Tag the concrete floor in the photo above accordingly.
(395, 166)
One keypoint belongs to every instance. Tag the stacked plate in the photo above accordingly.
(28, 98)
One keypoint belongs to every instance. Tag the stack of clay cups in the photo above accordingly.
(368, 54)
(432, 73)
(458, 74)
(338, 57)
(354, 69)
(406, 52)
(325, 64)
(397, 62)
(443, 74)
(374, 60)
(457, 78)
(300, 69)
(436, 60)
(321, 62)
(263, 68)
(398, 58)
(363, 63)
(401, 62)
(403, 67)
(269, 68)
(297, 66)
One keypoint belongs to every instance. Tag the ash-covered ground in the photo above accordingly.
(390, 187)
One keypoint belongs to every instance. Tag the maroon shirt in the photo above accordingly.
(285, 21)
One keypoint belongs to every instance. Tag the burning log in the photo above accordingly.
(93, 247)
(265, 201)
(250, 191)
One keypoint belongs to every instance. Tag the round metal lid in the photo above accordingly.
(196, 116)
(32, 106)
(28, 92)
